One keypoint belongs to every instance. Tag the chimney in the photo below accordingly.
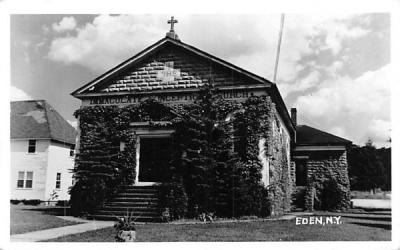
(293, 115)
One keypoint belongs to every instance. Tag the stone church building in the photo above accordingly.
(172, 72)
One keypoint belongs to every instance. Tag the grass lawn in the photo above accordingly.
(33, 218)
(384, 195)
(349, 230)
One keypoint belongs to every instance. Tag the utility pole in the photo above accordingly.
(279, 47)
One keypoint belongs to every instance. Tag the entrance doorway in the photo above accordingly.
(301, 173)
(154, 158)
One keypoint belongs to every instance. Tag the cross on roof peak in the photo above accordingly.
(171, 33)
(172, 21)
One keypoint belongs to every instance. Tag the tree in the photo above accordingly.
(369, 168)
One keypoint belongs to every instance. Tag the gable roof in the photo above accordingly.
(139, 57)
(36, 119)
(306, 135)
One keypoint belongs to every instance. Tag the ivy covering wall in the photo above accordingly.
(215, 165)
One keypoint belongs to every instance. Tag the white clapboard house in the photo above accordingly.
(42, 152)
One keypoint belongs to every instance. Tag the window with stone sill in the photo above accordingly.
(279, 125)
(121, 146)
(239, 141)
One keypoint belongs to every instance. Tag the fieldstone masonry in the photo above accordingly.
(293, 173)
(280, 167)
(324, 167)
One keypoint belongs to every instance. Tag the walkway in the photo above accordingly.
(61, 231)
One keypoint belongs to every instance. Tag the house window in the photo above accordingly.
(20, 182)
(32, 146)
(29, 180)
(58, 181)
(25, 179)
(72, 151)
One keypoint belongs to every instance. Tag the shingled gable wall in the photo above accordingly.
(191, 72)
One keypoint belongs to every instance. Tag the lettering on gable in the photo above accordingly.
(169, 73)
(179, 97)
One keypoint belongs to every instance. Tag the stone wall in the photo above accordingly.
(280, 168)
(328, 186)
(293, 173)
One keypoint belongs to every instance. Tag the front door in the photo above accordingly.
(154, 158)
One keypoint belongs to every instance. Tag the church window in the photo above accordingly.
(32, 146)
(121, 146)
(279, 126)
(239, 141)
(169, 64)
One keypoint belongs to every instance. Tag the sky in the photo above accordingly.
(334, 68)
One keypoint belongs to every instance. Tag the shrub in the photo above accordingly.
(100, 166)
(330, 196)
(87, 196)
(15, 202)
(172, 195)
(33, 202)
(165, 215)
(62, 203)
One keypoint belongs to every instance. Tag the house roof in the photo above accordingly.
(36, 119)
(306, 135)
(167, 41)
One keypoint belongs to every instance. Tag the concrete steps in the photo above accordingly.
(139, 201)
(298, 196)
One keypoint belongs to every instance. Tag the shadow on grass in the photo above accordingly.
(383, 226)
(378, 210)
(56, 211)
(375, 218)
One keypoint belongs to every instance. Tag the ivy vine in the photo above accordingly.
(215, 166)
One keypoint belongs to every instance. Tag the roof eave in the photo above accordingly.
(348, 143)
(125, 63)
(282, 109)
(63, 142)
